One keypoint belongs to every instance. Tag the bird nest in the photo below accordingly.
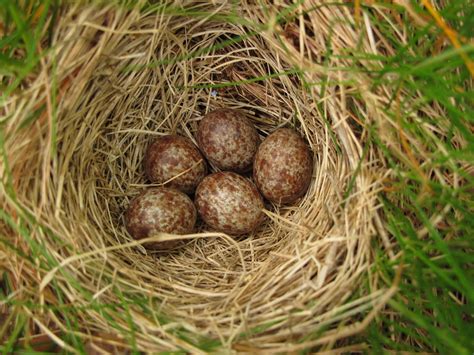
(113, 79)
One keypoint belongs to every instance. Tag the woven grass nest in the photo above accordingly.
(123, 76)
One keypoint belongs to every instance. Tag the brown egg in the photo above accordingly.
(160, 210)
(283, 166)
(229, 203)
(228, 140)
(170, 156)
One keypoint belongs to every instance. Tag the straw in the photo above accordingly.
(120, 77)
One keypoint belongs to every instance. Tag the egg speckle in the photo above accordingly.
(229, 203)
(283, 166)
(169, 156)
(160, 210)
(228, 140)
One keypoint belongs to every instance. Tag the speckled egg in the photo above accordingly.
(228, 140)
(160, 210)
(283, 166)
(229, 203)
(169, 156)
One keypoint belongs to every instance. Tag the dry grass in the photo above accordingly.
(120, 77)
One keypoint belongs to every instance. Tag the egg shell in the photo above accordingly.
(283, 166)
(170, 156)
(228, 140)
(229, 203)
(160, 210)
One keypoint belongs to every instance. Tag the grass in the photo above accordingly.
(427, 204)
(434, 307)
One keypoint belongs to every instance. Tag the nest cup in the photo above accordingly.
(123, 77)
